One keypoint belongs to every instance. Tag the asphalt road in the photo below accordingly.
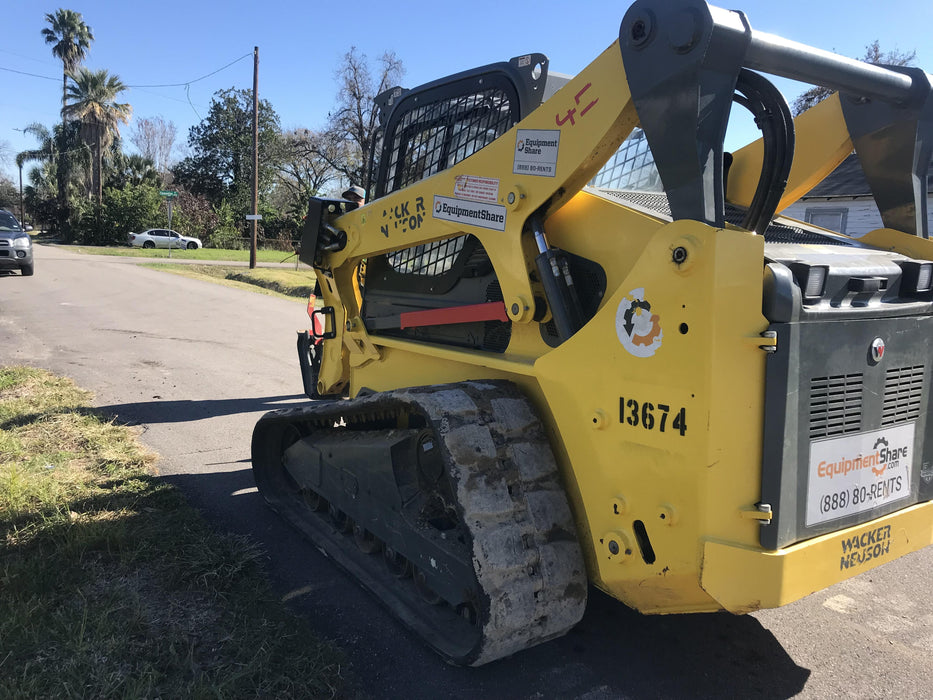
(195, 365)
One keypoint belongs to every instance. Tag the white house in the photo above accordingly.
(842, 202)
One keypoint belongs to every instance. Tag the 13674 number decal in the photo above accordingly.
(651, 416)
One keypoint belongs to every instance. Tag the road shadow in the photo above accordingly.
(613, 652)
(182, 411)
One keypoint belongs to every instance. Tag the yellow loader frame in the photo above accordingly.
(659, 444)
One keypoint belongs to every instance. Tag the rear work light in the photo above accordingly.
(917, 277)
(811, 279)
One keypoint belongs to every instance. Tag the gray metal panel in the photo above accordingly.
(823, 384)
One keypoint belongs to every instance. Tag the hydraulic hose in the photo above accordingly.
(773, 117)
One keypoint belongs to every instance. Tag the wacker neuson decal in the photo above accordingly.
(461, 211)
(865, 547)
(852, 474)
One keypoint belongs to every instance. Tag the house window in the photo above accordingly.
(833, 219)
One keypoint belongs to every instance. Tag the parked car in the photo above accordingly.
(162, 238)
(15, 245)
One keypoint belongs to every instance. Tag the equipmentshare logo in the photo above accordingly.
(461, 211)
(860, 472)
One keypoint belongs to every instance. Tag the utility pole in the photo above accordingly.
(255, 216)
(22, 207)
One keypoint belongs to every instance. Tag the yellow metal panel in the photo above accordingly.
(903, 243)
(676, 485)
(658, 434)
(822, 143)
(743, 579)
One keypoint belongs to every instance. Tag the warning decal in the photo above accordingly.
(479, 189)
(638, 329)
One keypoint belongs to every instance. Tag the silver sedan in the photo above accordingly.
(162, 238)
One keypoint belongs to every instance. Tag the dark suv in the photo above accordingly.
(15, 245)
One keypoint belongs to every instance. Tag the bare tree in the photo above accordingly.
(873, 54)
(155, 139)
(303, 171)
(347, 143)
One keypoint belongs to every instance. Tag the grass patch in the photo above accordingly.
(291, 284)
(264, 256)
(112, 586)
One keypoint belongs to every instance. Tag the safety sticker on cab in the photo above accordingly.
(856, 473)
(639, 329)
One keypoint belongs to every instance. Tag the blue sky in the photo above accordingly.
(301, 44)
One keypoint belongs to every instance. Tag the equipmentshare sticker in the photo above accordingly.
(849, 475)
(461, 211)
(536, 152)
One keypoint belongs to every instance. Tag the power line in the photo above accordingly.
(185, 84)
(191, 82)
(31, 75)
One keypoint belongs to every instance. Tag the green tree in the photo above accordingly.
(193, 215)
(92, 101)
(874, 55)
(130, 208)
(70, 39)
(132, 169)
(221, 164)
(133, 208)
(58, 147)
(9, 194)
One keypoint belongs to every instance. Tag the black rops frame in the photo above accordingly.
(522, 79)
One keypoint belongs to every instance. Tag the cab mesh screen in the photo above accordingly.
(430, 259)
(431, 138)
(436, 136)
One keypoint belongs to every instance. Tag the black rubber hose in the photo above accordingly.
(773, 117)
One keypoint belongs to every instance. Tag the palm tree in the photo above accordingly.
(60, 145)
(56, 145)
(92, 101)
(46, 150)
(70, 38)
(134, 169)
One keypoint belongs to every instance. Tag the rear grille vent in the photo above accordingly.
(903, 389)
(835, 405)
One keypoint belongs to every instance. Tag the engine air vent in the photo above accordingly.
(835, 405)
(903, 390)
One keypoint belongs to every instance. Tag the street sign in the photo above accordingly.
(254, 217)
(168, 193)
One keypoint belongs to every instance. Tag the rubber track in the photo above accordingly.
(526, 557)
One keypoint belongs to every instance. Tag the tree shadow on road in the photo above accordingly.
(613, 652)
